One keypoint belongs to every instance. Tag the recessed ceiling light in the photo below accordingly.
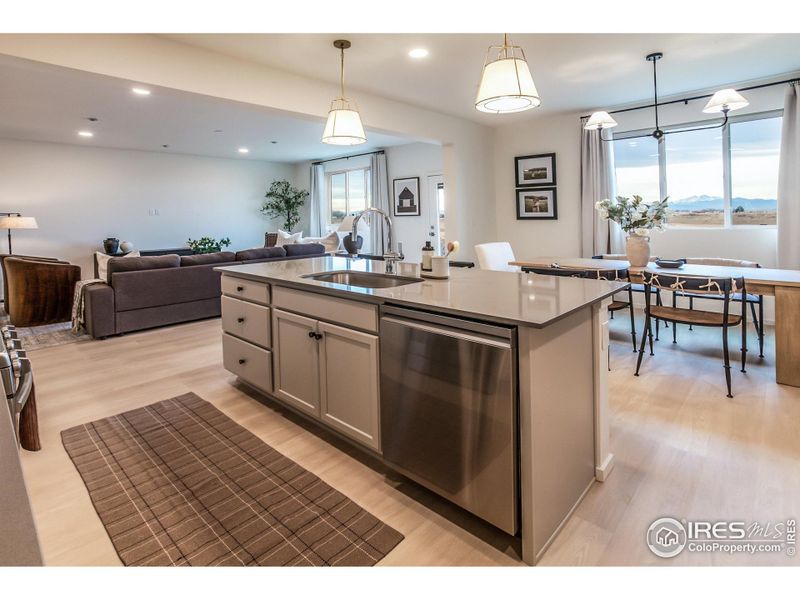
(86, 134)
(418, 53)
(140, 91)
(243, 150)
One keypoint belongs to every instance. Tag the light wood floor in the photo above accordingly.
(682, 449)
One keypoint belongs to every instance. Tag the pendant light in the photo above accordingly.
(506, 84)
(343, 127)
(722, 101)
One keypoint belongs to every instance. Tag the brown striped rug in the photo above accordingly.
(179, 483)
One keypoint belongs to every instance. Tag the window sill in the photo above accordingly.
(719, 227)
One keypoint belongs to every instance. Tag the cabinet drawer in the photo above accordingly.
(251, 363)
(246, 320)
(245, 289)
(335, 310)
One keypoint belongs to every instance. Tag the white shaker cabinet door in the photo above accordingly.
(296, 360)
(349, 383)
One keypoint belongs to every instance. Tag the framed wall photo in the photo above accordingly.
(537, 203)
(406, 197)
(535, 170)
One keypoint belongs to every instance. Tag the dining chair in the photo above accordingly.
(755, 301)
(726, 287)
(602, 274)
(637, 288)
(495, 256)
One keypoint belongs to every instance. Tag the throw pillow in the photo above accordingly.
(102, 263)
(284, 238)
(330, 241)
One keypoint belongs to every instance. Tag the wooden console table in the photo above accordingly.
(783, 284)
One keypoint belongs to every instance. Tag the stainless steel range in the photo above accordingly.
(17, 379)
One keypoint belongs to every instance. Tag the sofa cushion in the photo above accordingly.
(206, 259)
(101, 258)
(257, 253)
(304, 249)
(142, 263)
(284, 237)
(162, 287)
(330, 241)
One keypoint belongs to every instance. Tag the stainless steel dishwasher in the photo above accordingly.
(449, 409)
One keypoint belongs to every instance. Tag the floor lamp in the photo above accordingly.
(16, 221)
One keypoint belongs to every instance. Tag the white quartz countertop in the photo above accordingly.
(499, 296)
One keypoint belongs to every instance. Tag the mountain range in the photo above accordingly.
(705, 202)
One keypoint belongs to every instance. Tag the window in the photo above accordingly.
(348, 192)
(713, 177)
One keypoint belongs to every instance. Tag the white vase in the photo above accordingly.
(637, 248)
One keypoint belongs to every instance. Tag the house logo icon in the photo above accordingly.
(666, 537)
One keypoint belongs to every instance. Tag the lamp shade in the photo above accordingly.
(15, 222)
(725, 100)
(506, 87)
(600, 120)
(343, 127)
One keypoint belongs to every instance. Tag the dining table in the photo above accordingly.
(783, 284)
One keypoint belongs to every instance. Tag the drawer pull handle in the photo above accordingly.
(242, 361)
(239, 288)
(240, 320)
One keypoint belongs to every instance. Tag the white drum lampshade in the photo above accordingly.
(343, 127)
(600, 120)
(506, 82)
(725, 100)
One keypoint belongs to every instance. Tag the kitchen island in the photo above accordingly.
(489, 388)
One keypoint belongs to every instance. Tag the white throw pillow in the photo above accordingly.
(102, 262)
(330, 241)
(284, 237)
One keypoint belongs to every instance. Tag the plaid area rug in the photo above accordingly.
(180, 483)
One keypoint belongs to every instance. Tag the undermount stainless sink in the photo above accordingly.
(362, 279)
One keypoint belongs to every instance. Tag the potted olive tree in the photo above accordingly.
(284, 201)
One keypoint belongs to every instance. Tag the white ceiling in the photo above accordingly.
(51, 104)
(573, 72)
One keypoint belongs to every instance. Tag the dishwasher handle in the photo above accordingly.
(460, 334)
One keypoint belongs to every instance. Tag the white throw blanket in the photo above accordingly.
(78, 303)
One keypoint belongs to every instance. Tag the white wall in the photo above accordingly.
(561, 237)
(81, 195)
(414, 160)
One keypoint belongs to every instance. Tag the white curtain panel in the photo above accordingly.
(380, 199)
(789, 182)
(598, 236)
(318, 199)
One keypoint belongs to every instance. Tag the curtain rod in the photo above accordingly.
(687, 100)
(319, 162)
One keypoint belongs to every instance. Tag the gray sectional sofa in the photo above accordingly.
(152, 291)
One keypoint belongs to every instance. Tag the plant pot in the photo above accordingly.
(637, 248)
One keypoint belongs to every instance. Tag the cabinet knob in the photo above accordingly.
(239, 288)
(240, 320)
(242, 361)
(312, 335)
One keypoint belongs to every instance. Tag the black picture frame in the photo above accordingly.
(538, 163)
(549, 193)
(405, 206)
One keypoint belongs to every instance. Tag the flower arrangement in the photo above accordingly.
(207, 245)
(635, 217)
